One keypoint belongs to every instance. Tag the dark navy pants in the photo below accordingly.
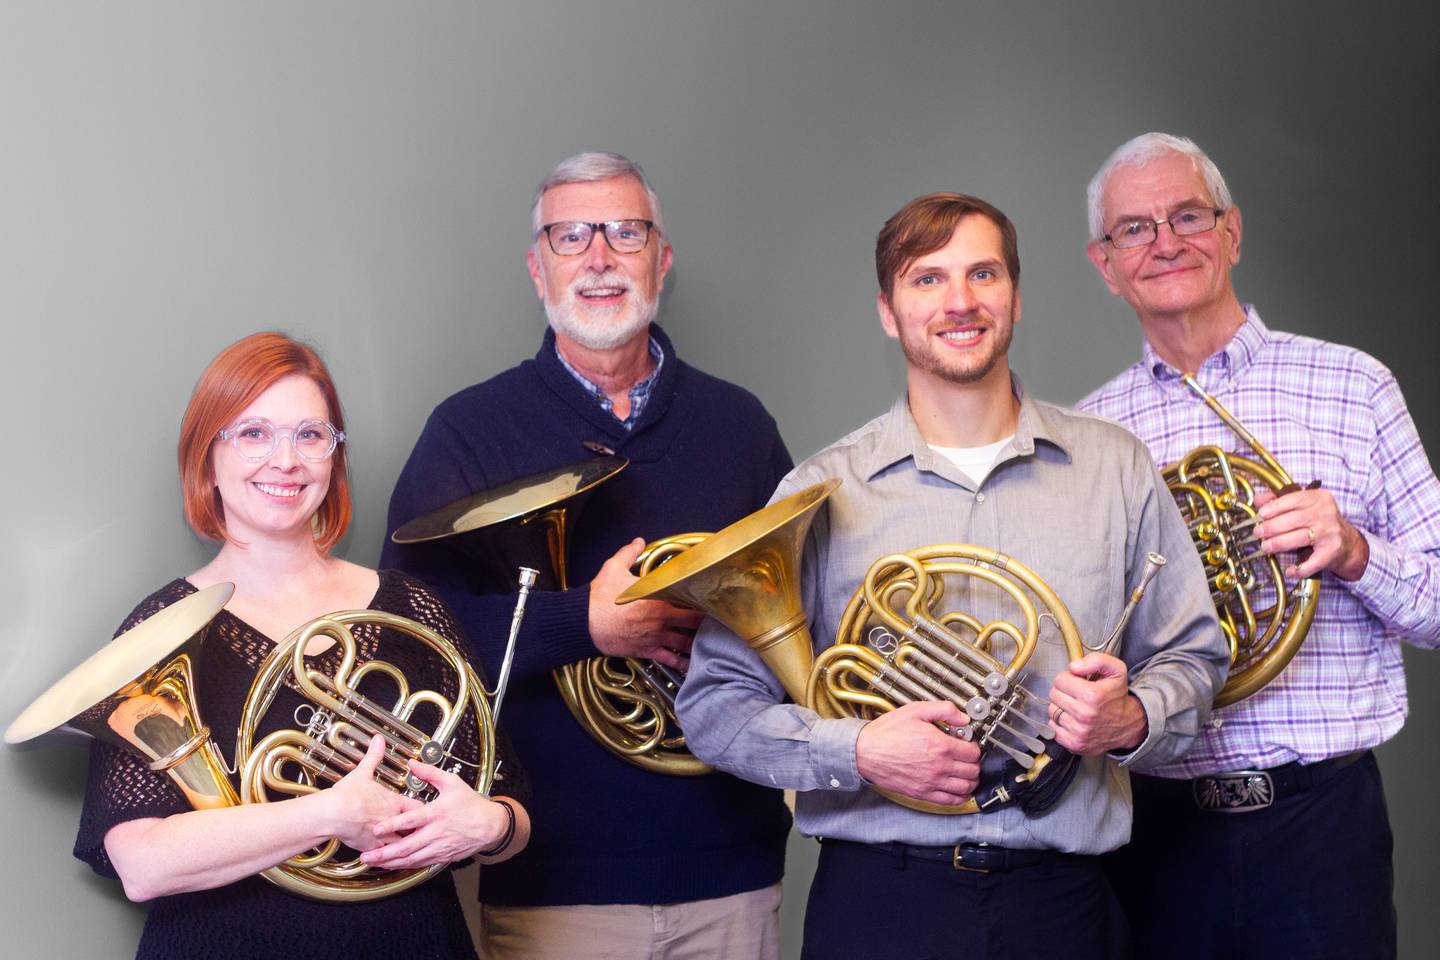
(873, 905)
(1309, 877)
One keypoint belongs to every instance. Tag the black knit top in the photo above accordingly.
(254, 918)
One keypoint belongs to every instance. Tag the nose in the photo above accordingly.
(959, 298)
(284, 456)
(1166, 243)
(598, 257)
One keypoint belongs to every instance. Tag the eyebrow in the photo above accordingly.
(1188, 204)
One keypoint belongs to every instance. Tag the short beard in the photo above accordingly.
(604, 330)
(932, 363)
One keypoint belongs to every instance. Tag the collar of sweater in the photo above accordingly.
(652, 434)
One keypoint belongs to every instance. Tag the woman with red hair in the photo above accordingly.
(263, 467)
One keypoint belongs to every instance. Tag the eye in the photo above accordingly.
(252, 432)
(984, 273)
(1186, 216)
(926, 280)
(309, 434)
(1134, 228)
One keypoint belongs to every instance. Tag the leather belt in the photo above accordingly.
(971, 857)
(1246, 791)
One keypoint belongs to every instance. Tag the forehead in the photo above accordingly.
(975, 238)
(1154, 186)
(619, 198)
(288, 400)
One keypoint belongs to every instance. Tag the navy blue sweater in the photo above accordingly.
(703, 454)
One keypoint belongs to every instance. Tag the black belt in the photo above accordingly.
(973, 857)
(1245, 791)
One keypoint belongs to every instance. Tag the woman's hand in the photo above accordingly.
(458, 823)
(356, 806)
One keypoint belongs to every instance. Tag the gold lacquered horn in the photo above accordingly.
(137, 693)
(747, 577)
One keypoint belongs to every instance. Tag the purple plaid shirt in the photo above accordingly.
(639, 394)
(1335, 414)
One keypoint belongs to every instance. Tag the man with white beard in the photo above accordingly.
(623, 861)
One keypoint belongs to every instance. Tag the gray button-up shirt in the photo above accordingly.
(1077, 499)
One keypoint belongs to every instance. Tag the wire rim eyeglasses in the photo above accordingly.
(1129, 234)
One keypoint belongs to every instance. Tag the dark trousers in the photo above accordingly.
(868, 904)
(1308, 877)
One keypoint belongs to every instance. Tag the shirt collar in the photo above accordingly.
(900, 437)
(1229, 361)
(639, 394)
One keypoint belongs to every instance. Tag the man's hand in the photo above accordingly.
(1311, 518)
(1092, 709)
(903, 751)
(651, 629)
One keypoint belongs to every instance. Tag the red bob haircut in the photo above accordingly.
(233, 381)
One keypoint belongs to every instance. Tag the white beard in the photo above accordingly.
(603, 328)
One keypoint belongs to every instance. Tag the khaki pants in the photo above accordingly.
(745, 926)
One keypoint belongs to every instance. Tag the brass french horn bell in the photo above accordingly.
(1264, 619)
(892, 646)
(625, 704)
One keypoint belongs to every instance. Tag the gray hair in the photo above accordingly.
(1141, 150)
(591, 167)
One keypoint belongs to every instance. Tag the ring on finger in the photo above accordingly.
(1311, 532)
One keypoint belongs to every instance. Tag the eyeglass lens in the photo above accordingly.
(624, 236)
(257, 439)
(1137, 233)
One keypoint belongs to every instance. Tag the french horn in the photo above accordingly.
(626, 704)
(1264, 619)
(892, 647)
(138, 693)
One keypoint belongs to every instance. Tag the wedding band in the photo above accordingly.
(1059, 712)
(1311, 531)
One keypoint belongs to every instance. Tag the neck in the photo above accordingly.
(1186, 340)
(270, 565)
(615, 371)
(952, 414)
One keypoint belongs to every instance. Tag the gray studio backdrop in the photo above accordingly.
(176, 175)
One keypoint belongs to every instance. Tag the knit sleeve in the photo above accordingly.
(120, 785)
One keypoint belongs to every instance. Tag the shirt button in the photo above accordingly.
(1217, 723)
(834, 782)
(979, 498)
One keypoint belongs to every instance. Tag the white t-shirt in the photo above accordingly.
(975, 462)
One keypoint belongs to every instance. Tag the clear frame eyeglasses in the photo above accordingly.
(1183, 223)
(570, 238)
(256, 439)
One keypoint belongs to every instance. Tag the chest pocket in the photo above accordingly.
(1088, 577)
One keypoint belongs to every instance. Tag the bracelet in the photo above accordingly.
(509, 831)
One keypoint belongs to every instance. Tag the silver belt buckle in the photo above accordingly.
(1243, 791)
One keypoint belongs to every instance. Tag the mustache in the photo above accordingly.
(601, 282)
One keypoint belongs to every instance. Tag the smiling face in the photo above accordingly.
(1174, 276)
(277, 495)
(954, 309)
(600, 299)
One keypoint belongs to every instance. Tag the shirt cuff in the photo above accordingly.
(1380, 586)
(566, 627)
(1152, 703)
(832, 750)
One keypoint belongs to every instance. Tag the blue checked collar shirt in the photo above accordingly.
(1074, 497)
(1335, 414)
(639, 394)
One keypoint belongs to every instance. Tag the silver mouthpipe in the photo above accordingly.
(1153, 563)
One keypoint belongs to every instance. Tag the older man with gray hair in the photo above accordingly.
(1270, 838)
(624, 862)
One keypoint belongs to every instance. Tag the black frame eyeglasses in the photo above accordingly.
(575, 236)
(1131, 234)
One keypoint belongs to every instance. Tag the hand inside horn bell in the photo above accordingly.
(906, 752)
